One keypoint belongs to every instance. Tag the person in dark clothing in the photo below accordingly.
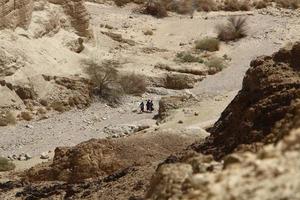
(151, 106)
(142, 106)
(148, 105)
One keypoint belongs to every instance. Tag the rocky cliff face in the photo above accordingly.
(266, 110)
(78, 14)
(15, 13)
(270, 90)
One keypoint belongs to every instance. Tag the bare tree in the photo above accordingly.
(103, 75)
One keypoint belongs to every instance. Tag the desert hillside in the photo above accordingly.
(220, 86)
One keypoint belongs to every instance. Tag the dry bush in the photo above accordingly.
(58, 106)
(291, 4)
(133, 84)
(124, 2)
(148, 32)
(155, 8)
(198, 72)
(41, 111)
(121, 2)
(39, 5)
(260, 4)
(208, 44)
(206, 5)
(179, 81)
(6, 165)
(236, 5)
(215, 64)
(235, 28)
(26, 116)
(7, 118)
(104, 76)
(187, 57)
(11, 118)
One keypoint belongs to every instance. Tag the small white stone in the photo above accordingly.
(44, 155)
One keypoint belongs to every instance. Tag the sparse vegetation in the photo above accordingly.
(215, 64)
(206, 5)
(26, 116)
(133, 84)
(124, 2)
(7, 118)
(102, 75)
(179, 81)
(155, 8)
(6, 165)
(260, 4)
(234, 29)
(58, 106)
(148, 32)
(291, 4)
(208, 44)
(188, 57)
(236, 5)
(161, 66)
(105, 78)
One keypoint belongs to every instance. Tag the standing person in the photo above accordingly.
(193, 8)
(148, 106)
(151, 106)
(142, 106)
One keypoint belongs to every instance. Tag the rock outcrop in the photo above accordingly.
(265, 114)
(270, 90)
(80, 18)
(273, 173)
(103, 157)
(15, 13)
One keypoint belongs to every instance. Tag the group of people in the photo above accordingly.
(149, 106)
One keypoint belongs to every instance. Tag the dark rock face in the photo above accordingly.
(270, 91)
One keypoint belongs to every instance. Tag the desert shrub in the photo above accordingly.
(133, 84)
(180, 70)
(179, 81)
(42, 111)
(58, 106)
(124, 2)
(6, 165)
(234, 29)
(26, 116)
(187, 57)
(236, 5)
(215, 64)
(11, 118)
(260, 4)
(245, 5)
(121, 2)
(155, 8)
(7, 118)
(148, 32)
(104, 77)
(291, 4)
(206, 5)
(208, 44)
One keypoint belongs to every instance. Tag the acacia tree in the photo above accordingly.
(103, 75)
